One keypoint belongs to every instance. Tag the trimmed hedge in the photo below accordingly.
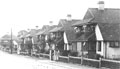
(74, 60)
(63, 59)
(112, 65)
(91, 63)
(75, 54)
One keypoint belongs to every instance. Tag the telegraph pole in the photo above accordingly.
(11, 43)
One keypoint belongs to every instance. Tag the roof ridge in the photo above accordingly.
(107, 8)
(91, 13)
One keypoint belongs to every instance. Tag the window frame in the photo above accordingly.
(99, 44)
(74, 43)
(113, 44)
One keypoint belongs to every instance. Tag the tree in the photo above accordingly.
(22, 32)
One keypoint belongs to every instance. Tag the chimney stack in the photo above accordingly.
(51, 23)
(101, 5)
(69, 17)
(36, 27)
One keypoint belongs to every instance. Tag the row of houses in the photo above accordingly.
(97, 34)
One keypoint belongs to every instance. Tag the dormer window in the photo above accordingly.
(88, 28)
(77, 29)
(84, 28)
(52, 35)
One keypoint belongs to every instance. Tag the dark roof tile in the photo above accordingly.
(110, 31)
(108, 15)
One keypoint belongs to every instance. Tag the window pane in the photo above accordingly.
(116, 44)
(74, 46)
(99, 45)
(112, 44)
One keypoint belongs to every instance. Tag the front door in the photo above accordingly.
(91, 49)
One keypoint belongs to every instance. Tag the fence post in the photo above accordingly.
(68, 58)
(50, 55)
(82, 55)
(100, 59)
(82, 60)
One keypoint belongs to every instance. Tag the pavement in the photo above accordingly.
(14, 61)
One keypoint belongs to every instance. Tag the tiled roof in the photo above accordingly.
(110, 31)
(108, 15)
(49, 29)
(56, 29)
(86, 36)
(108, 21)
(70, 33)
(46, 30)
(82, 22)
(73, 37)
(32, 33)
(40, 32)
(67, 24)
(23, 36)
(8, 37)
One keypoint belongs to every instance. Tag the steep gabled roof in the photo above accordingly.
(56, 29)
(8, 37)
(46, 30)
(82, 22)
(70, 33)
(45, 27)
(40, 32)
(50, 28)
(66, 24)
(108, 15)
(107, 19)
(32, 33)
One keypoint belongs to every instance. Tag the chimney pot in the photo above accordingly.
(101, 5)
(51, 23)
(69, 17)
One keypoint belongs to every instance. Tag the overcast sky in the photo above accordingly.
(24, 14)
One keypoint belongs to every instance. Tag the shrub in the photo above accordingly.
(65, 53)
(46, 52)
(74, 54)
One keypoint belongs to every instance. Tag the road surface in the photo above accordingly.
(13, 61)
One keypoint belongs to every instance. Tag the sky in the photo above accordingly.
(26, 14)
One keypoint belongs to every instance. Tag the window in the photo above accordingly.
(65, 46)
(70, 46)
(115, 44)
(77, 29)
(52, 35)
(99, 45)
(46, 37)
(74, 46)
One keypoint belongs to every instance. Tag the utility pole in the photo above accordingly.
(11, 43)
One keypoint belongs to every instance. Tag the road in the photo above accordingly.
(14, 61)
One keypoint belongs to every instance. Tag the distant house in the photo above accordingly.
(32, 34)
(101, 27)
(56, 37)
(6, 41)
(43, 36)
(68, 35)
